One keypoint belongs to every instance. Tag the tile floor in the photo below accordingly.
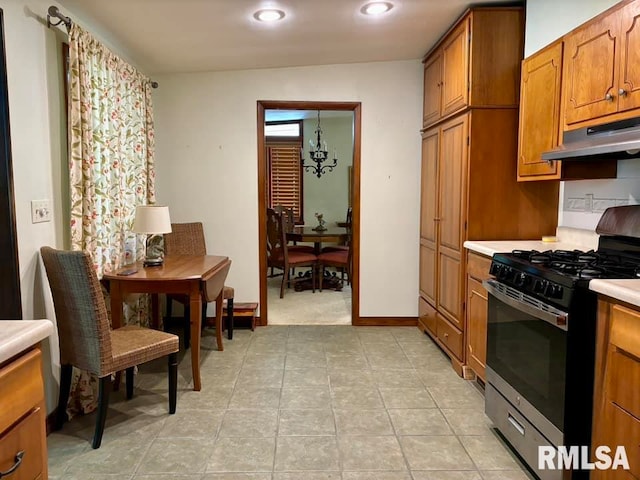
(296, 403)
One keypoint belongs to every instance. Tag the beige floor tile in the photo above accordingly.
(423, 421)
(242, 455)
(176, 455)
(103, 476)
(263, 361)
(251, 397)
(305, 360)
(192, 423)
(457, 396)
(233, 476)
(305, 397)
(371, 453)
(268, 378)
(466, 421)
(376, 476)
(356, 398)
(170, 476)
(351, 378)
(363, 422)
(306, 422)
(489, 453)
(407, 398)
(507, 475)
(211, 397)
(397, 379)
(385, 361)
(341, 361)
(446, 475)
(306, 377)
(306, 453)
(249, 423)
(307, 476)
(435, 453)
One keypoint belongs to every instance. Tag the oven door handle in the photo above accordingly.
(527, 304)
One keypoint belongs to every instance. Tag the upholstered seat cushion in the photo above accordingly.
(133, 345)
(338, 256)
(228, 293)
(300, 248)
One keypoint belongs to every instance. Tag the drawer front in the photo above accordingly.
(450, 336)
(623, 371)
(478, 266)
(427, 315)
(25, 437)
(20, 388)
(627, 433)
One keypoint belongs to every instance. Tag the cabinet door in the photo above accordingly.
(629, 84)
(539, 112)
(477, 304)
(428, 201)
(432, 89)
(591, 58)
(455, 70)
(452, 174)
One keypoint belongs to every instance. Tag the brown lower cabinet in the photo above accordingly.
(23, 443)
(477, 303)
(616, 419)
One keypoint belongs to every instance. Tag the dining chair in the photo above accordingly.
(87, 341)
(290, 224)
(282, 256)
(336, 258)
(188, 239)
(348, 222)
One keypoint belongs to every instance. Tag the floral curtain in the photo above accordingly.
(111, 149)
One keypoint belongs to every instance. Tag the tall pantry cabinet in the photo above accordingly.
(469, 157)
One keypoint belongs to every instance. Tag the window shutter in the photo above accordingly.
(285, 175)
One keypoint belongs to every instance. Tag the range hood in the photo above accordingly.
(614, 141)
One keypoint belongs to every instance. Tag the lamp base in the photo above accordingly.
(153, 262)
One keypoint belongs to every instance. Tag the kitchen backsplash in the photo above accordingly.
(582, 202)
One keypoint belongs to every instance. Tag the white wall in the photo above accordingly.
(206, 154)
(581, 202)
(329, 194)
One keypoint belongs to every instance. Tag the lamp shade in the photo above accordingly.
(152, 219)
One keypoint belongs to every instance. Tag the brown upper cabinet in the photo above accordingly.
(602, 68)
(540, 113)
(473, 64)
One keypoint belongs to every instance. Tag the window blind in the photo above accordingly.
(285, 178)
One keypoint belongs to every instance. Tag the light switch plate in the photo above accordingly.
(40, 211)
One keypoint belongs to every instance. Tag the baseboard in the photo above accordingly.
(386, 321)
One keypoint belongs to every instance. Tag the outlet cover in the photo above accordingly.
(40, 211)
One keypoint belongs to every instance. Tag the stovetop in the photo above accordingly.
(559, 277)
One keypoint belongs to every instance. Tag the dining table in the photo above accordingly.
(200, 277)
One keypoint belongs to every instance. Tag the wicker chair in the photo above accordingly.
(87, 341)
(188, 239)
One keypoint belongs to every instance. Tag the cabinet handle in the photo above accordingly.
(608, 97)
(622, 92)
(446, 335)
(436, 219)
(16, 465)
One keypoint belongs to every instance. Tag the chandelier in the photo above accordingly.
(319, 154)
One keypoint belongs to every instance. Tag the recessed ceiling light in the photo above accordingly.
(376, 8)
(269, 15)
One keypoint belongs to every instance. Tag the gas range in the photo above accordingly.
(553, 276)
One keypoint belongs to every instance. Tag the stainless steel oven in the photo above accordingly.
(530, 372)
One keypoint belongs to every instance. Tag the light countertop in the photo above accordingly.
(623, 290)
(18, 335)
(489, 247)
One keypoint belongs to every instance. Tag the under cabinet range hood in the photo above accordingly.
(612, 141)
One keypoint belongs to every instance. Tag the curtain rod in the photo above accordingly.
(54, 12)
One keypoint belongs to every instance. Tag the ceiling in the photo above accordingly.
(170, 36)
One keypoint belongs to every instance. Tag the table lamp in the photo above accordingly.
(152, 220)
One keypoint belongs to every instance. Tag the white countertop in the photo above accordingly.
(623, 290)
(489, 247)
(18, 335)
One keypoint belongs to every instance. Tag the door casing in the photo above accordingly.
(263, 179)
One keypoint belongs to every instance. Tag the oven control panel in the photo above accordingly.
(531, 284)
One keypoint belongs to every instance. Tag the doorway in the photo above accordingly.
(263, 189)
